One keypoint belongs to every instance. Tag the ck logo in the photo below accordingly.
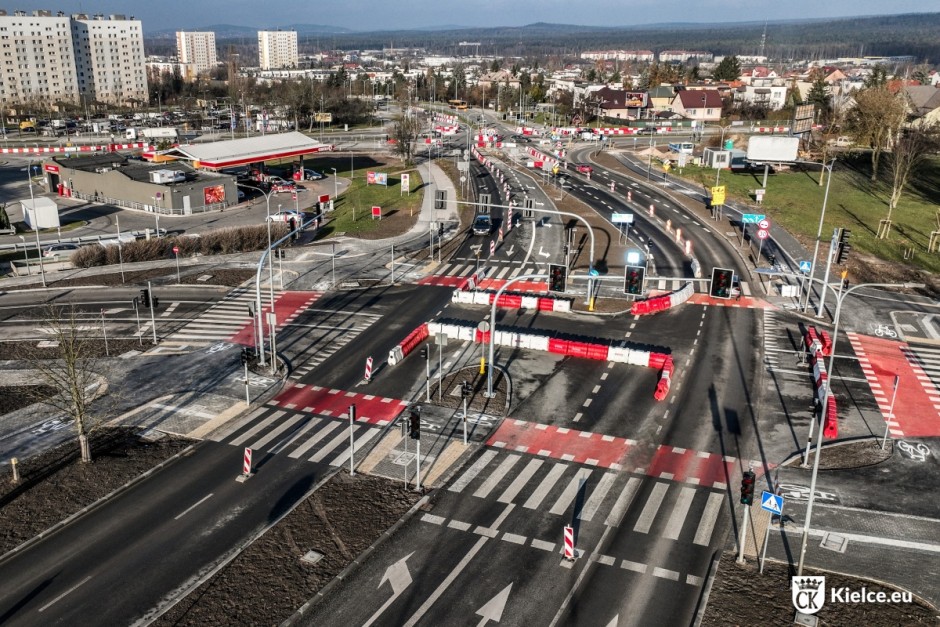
(809, 593)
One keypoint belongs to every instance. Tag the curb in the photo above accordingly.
(89, 508)
(707, 589)
(323, 592)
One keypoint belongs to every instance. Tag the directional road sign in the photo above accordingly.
(771, 502)
(752, 218)
(805, 266)
(621, 218)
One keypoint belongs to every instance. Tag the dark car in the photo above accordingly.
(482, 225)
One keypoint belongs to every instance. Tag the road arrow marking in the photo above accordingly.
(613, 621)
(543, 253)
(493, 609)
(509, 252)
(398, 576)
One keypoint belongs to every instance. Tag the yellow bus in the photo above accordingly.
(460, 105)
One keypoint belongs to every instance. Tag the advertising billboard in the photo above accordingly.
(772, 148)
(214, 195)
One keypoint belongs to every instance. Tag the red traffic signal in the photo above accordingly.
(721, 283)
(747, 487)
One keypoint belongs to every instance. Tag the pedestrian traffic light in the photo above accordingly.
(633, 279)
(424, 351)
(557, 277)
(844, 246)
(747, 487)
(440, 229)
(465, 389)
(440, 199)
(145, 298)
(721, 283)
(245, 356)
(414, 425)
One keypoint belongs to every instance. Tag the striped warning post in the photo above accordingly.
(569, 542)
(368, 368)
(246, 467)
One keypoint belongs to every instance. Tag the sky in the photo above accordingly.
(366, 15)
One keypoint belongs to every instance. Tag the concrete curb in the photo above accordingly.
(707, 589)
(182, 593)
(89, 508)
(323, 592)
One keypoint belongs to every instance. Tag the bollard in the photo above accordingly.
(16, 471)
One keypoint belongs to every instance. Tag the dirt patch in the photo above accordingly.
(91, 349)
(742, 596)
(449, 390)
(267, 582)
(13, 397)
(56, 484)
(852, 455)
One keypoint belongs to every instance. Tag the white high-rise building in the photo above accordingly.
(47, 59)
(277, 49)
(37, 59)
(109, 58)
(197, 49)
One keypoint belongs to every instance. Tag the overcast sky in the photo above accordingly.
(403, 14)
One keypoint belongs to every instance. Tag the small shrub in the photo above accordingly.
(88, 256)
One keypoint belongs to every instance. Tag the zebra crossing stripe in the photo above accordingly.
(222, 434)
(328, 427)
(679, 513)
(493, 480)
(571, 491)
(360, 442)
(645, 521)
(519, 482)
(623, 502)
(278, 430)
(703, 534)
(535, 499)
(340, 439)
(256, 429)
(293, 437)
(473, 471)
(597, 497)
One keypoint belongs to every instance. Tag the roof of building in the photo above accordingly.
(236, 152)
(133, 169)
(692, 99)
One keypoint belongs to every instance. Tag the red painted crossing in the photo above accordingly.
(442, 280)
(745, 302)
(606, 451)
(917, 404)
(532, 287)
(287, 307)
(378, 410)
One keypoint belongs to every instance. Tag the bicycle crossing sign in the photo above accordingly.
(805, 266)
(771, 502)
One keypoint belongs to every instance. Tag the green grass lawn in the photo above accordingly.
(794, 199)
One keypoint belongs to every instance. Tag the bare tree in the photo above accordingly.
(405, 133)
(73, 373)
(876, 118)
(909, 150)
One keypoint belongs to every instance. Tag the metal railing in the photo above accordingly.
(148, 208)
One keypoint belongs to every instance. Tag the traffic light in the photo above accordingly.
(557, 277)
(414, 425)
(440, 199)
(145, 298)
(633, 279)
(424, 351)
(465, 389)
(528, 210)
(721, 283)
(247, 354)
(844, 247)
(747, 487)
(440, 229)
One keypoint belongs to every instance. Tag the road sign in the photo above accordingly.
(176, 250)
(771, 502)
(368, 368)
(718, 195)
(752, 218)
(806, 266)
(621, 218)
(376, 212)
(762, 234)
(764, 224)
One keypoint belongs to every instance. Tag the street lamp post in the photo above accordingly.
(335, 184)
(812, 268)
(840, 298)
(32, 200)
(258, 310)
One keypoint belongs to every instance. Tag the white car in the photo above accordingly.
(285, 216)
(59, 250)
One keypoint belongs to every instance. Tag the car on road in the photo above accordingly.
(522, 139)
(584, 168)
(285, 216)
(59, 250)
(482, 225)
(647, 130)
(312, 175)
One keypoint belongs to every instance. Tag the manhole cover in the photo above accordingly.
(834, 542)
(311, 557)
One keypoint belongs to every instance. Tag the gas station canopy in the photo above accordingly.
(236, 152)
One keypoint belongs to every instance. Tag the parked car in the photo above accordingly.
(312, 175)
(59, 250)
(584, 168)
(286, 186)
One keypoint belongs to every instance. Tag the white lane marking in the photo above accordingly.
(61, 596)
(193, 506)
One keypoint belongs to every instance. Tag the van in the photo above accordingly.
(482, 225)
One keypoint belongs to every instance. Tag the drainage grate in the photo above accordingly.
(311, 557)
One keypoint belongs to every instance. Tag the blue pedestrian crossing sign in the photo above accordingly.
(805, 266)
(771, 502)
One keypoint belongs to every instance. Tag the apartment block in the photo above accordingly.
(197, 48)
(277, 49)
(47, 59)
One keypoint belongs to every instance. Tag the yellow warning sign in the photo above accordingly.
(718, 195)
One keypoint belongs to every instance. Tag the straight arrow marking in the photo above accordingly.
(398, 576)
(492, 610)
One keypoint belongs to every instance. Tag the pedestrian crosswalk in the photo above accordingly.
(230, 320)
(299, 435)
(572, 491)
(780, 355)
(330, 331)
(223, 320)
(928, 358)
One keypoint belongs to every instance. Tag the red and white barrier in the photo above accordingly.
(818, 347)
(405, 346)
(569, 542)
(368, 369)
(663, 302)
(246, 463)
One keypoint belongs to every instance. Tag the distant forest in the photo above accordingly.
(909, 34)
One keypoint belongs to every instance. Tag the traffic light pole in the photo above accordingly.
(153, 320)
(741, 540)
(499, 292)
